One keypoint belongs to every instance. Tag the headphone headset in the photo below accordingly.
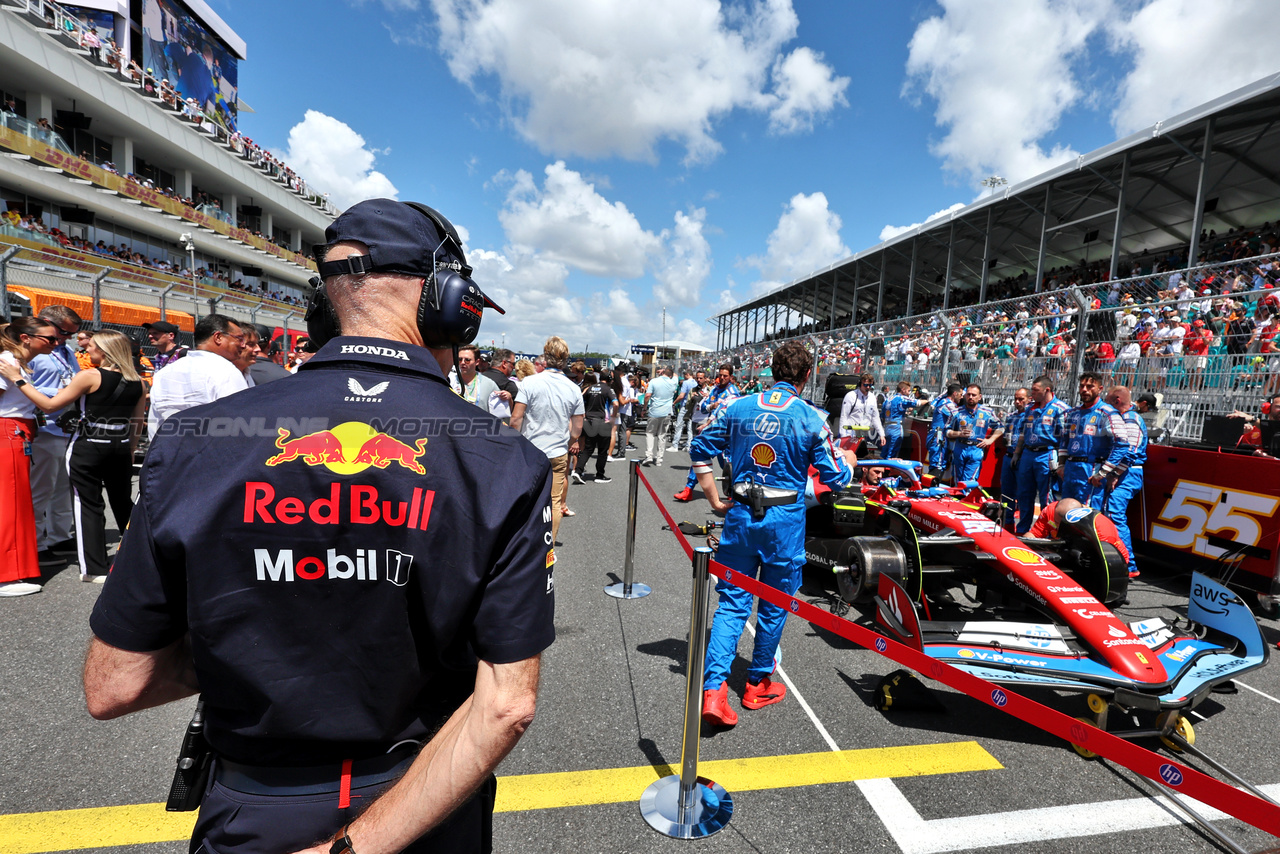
(449, 309)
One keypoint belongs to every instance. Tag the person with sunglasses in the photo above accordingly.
(207, 373)
(860, 414)
(111, 401)
(51, 372)
(20, 342)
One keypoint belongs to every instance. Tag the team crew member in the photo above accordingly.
(895, 409)
(20, 341)
(1129, 483)
(375, 576)
(723, 392)
(969, 429)
(1072, 511)
(100, 454)
(1037, 452)
(598, 403)
(860, 413)
(772, 438)
(1097, 445)
(944, 406)
(1009, 464)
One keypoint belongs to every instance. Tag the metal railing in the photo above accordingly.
(97, 284)
(992, 344)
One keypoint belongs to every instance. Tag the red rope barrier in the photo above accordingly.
(662, 508)
(1183, 779)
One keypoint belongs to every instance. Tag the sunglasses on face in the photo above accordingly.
(52, 339)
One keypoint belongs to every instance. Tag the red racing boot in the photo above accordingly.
(685, 494)
(715, 707)
(763, 693)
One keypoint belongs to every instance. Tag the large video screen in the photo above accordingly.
(176, 47)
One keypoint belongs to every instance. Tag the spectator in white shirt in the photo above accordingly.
(860, 413)
(548, 411)
(207, 373)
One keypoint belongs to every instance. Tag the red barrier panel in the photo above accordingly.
(1185, 780)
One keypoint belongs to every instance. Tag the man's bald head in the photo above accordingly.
(1065, 506)
(1120, 397)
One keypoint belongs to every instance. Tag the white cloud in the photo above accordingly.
(333, 158)
(567, 221)
(693, 332)
(806, 88)
(687, 263)
(1186, 53)
(891, 231)
(1001, 76)
(806, 238)
(581, 77)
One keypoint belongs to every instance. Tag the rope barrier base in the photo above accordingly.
(634, 590)
(706, 811)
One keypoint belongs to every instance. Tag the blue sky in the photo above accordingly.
(607, 159)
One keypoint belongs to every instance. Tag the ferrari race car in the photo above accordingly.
(906, 547)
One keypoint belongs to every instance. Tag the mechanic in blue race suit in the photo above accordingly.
(968, 432)
(944, 406)
(1038, 450)
(1009, 464)
(1097, 445)
(771, 438)
(723, 392)
(1129, 483)
(895, 409)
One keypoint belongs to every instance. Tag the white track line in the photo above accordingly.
(791, 686)
(1256, 691)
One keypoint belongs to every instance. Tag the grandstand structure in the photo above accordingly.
(126, 189)
(1180, 215)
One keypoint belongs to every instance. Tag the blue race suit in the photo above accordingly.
(1097, 443)
(1130, 483)
(1008, 468)
(1042, 437)
(713, 404)
(967, 454)
(895, 408)
(943, 408)
(771, 438)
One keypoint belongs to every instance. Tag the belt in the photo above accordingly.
(284, 781)
(773, 496)
(1082, 460)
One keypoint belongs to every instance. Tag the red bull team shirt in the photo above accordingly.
(342, 546)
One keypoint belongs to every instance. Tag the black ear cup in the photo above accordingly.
(322, 321)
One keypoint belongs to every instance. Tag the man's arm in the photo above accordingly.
(517, 415)
(118, 682)
(454, 763)
(575, 430)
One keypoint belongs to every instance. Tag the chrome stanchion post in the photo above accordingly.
(684, 805)
(628, 589)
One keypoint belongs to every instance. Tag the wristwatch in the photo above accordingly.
(20, 383)
(342, 845)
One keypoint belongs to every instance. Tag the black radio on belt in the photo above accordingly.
(192, 773)
(755, 500)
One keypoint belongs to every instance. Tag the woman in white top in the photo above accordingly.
(20, 341)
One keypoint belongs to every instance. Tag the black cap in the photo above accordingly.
(1148, 398)
(401, 237)
(160, 326)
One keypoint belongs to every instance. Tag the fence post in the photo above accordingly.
(626, 588)
(163, 300)
(946, 351)
(1082, 332)
(684, 805)
(4, 282)
(97, 298)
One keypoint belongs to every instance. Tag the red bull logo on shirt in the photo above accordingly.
(348, 448)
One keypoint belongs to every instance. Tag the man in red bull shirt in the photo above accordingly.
(362, 591)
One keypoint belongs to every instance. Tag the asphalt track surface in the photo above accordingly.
(965, 779)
